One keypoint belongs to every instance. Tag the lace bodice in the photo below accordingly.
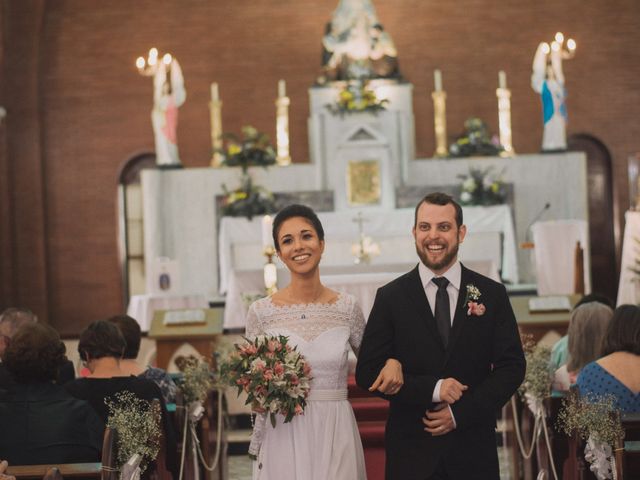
(323, 333)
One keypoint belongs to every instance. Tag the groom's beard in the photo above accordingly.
(438, 265)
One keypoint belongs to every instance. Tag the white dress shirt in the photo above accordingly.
(454, 275)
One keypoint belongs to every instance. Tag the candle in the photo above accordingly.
(270, 276)
(215, 96)
(282, 89)
(267, 239)
(502, 79)
(437, 80)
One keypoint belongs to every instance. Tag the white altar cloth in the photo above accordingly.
(628, 287)
(239, 241)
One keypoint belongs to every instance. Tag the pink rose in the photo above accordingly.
(273, 345)
(278, 368)
(294, 379)
(267, 374)
(306, 369)
(476, 309)
(270, 355)
(249, 349)
(298, 410)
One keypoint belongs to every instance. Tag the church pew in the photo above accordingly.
(66, 470)
(628, 458)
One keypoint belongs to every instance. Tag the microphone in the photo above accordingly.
(528, 243)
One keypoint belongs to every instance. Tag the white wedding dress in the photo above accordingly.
(323, 443)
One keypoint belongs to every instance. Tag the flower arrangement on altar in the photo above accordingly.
(357, 97)
(251, 149)
(597, 421)
(475, 141)
(137, 423)
(273, 374)
(482, 187)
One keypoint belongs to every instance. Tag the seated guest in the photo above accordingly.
(130, 330)
(560, 350)
(101, 347)
(618, 371)
(587, 329)
(3, 468)
(10, 321)
(40, 422)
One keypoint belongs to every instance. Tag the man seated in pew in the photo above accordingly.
(11, 320)
(46, 424)
(618, 371)
(130, 330)
(101, 347)
(587, 329)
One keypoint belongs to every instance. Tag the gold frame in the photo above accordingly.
(363, 182)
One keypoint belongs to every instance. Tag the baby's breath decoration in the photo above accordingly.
(591, 416)
(597, 421)
(197, 380)
(137, 423)
(539, 375)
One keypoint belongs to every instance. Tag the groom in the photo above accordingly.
(455, 334)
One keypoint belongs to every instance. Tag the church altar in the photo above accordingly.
(181, 221)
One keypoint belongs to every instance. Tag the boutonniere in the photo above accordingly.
(471, 301)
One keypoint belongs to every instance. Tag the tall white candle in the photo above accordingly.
(502, 79)
(270, 275)
(282, 89)
(267, 223)
(437, 80)
(215, 95)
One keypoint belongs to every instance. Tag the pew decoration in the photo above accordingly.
(597, 421)
(534, 389)
(482, 186)
(196, 383)
(251, 149)
(137, 424)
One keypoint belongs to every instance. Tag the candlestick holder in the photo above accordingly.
(504, 121)
(282, 131)
(270, 271)
(440, 122)
(215, 112)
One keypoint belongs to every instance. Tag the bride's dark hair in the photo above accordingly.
(296, 210)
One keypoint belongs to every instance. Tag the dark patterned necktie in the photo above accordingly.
(442, 313)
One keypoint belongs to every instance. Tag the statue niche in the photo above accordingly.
(356, 46)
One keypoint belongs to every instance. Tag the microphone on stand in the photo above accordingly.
(528, 243)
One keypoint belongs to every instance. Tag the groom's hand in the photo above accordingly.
(439, 421)
(451, 390)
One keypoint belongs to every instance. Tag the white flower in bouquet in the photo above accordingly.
(469, 185)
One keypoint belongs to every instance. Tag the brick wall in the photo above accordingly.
(78, 108)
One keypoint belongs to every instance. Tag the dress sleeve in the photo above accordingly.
(253, 328)
(356, 327)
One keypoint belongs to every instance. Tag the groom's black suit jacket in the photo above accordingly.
(484, 352)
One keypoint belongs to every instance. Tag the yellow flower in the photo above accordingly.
(234, 149)
(345, 95)
(495, 187)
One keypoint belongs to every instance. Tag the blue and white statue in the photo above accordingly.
(547, 79)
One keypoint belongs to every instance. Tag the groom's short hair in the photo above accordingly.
(442, 199)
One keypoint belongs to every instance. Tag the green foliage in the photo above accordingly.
(475, 141)
(482, 187)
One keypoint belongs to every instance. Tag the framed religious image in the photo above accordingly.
(363, 182)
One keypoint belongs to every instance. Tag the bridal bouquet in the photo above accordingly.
(272, 373)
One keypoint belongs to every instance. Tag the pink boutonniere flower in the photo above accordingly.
(471, 300)
(476, 309)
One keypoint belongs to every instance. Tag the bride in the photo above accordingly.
(324, 442)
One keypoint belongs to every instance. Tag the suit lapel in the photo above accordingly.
(420, 303)
(460, 316)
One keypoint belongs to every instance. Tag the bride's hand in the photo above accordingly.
(390, 379)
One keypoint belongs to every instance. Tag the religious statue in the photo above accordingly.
(168, 95)
(356, 46)
(548, 80)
